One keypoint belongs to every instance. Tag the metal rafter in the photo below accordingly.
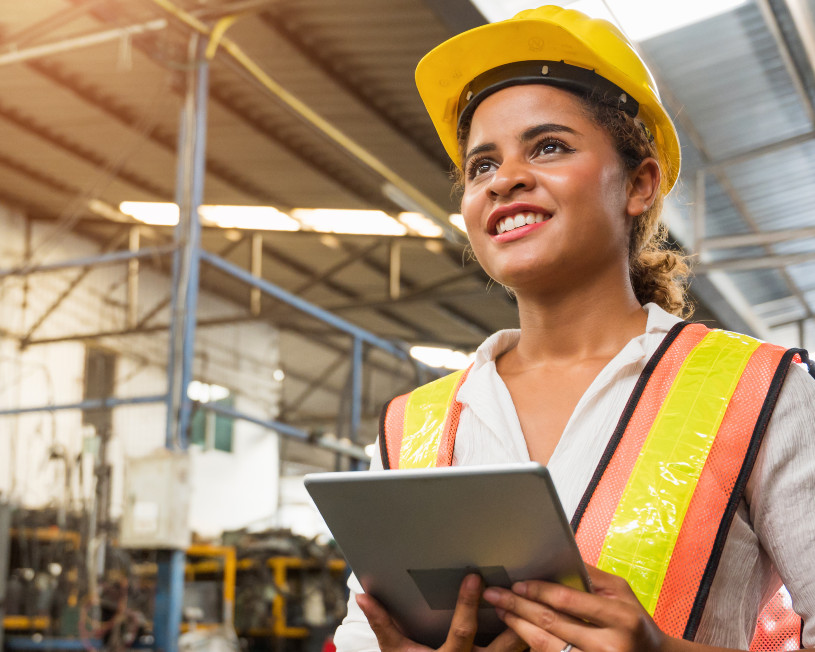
(476, 326)
(276, 20)
(325, 275)
(724, 181)
(299, 267)
(126, 116)
(113, 243)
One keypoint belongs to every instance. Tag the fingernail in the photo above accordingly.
(519, 588)
(492, 595)
(472, 582)
(501, 612)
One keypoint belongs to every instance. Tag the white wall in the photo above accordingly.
(230, 490)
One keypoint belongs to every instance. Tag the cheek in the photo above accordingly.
(471, 211)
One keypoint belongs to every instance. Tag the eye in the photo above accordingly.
(552, 146)
(478, 166)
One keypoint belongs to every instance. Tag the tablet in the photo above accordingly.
(411, 536)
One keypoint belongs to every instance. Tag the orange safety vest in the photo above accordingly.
(660, 503)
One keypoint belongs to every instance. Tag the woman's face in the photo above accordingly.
(546, 198)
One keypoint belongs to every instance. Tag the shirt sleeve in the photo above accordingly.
(782, 492)
(354, 633)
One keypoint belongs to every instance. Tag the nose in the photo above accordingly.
(510, 177)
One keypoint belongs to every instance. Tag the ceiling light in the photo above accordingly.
(266, 218)
(360, 222)
(206, 392)
(637, 18)
(258, 218)
(421, 225)
(151, 212)
(434, 356)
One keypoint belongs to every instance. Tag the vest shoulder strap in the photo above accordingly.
(418, 429)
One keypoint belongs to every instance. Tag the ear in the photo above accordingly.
(643, 186)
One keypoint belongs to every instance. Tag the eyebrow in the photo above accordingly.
(546, 127)
(528, 134)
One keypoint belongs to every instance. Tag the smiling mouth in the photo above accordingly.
(517, 221)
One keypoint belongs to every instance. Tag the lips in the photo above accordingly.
(518, 220)
(515, 216)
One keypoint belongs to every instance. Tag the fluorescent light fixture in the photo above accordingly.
(457, 220)
(421, 225)
(434, 356)
(360, 222)
(151, 212)
(206, 392)
(266, 218)
(260, 218)
(639, 19)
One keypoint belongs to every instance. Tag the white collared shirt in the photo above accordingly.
(773, 532)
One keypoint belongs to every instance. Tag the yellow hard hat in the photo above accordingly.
(549, 45)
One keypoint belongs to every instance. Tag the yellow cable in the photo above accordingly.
(217, 34)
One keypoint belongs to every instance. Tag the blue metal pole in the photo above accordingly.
(309, 308)
(184, 306)
(89, 404)
(100, 259)
(169, 598)
(356, 396)
(189, 205)
(285, 429)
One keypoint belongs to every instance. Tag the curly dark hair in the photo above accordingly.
(658, 272)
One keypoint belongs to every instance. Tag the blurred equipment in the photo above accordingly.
(157, 502)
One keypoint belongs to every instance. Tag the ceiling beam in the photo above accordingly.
(757, 239)
(276, 20)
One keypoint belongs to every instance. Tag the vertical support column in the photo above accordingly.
(133, 279)
(356, 396)
(184, 305)
(186, 260)
(699, 213)
(394, 286)
(256, 264)
(169, 597)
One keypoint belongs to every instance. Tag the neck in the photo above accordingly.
(578, 325)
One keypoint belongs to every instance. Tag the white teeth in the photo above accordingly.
(521, 219)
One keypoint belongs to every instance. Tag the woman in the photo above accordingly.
(683, 455)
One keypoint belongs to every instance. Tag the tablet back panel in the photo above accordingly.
(412, 536)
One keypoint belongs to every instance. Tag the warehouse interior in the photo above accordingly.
(229, 237)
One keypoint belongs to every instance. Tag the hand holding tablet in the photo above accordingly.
(412, 536)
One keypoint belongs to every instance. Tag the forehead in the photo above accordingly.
(514, 109)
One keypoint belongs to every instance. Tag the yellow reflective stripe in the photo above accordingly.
(644, 529)
(425, 416)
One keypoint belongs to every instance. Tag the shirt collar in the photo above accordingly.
(659, 321)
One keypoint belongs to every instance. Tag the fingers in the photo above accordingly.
(594, 608)
(387, 635)
(541, 626)
(465, 617)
